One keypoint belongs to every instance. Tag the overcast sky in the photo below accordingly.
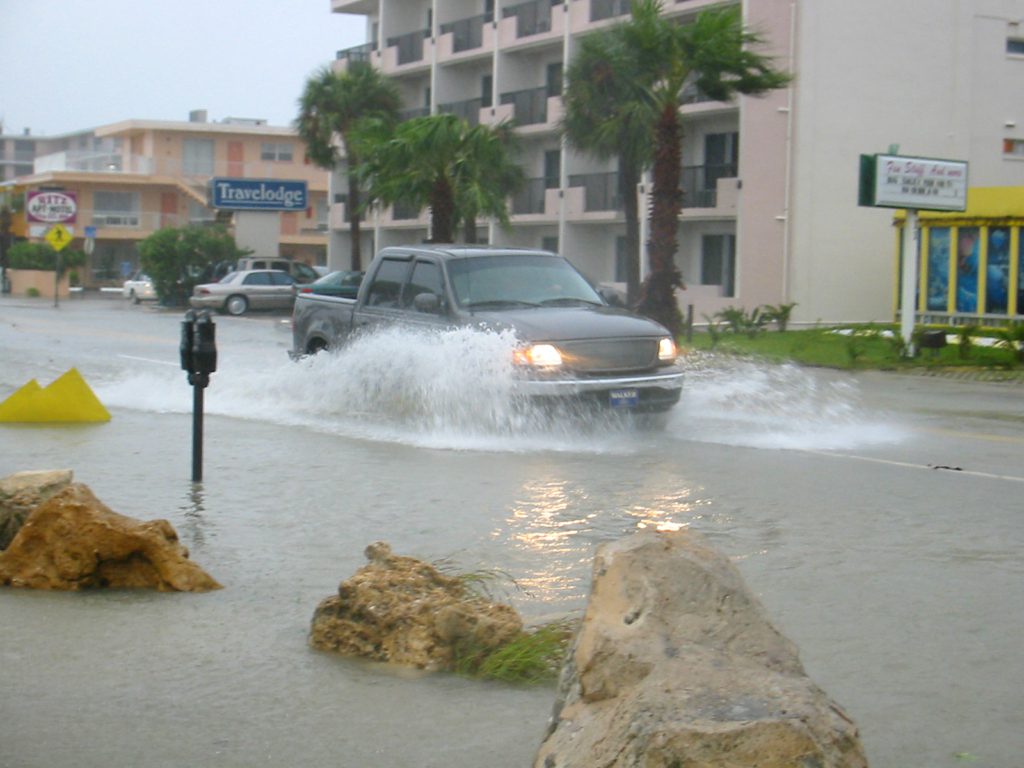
(72, 65)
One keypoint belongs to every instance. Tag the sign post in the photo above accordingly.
(58, 237)
(913, 184)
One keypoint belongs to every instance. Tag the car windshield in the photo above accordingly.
(525, 280)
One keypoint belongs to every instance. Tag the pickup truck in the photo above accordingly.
(572, 343)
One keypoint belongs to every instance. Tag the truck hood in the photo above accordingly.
(571, 323)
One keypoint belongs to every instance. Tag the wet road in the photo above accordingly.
(878, 517)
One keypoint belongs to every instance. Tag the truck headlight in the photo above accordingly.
(539, 356)
(667, 349)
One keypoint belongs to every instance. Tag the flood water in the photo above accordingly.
(878, 518)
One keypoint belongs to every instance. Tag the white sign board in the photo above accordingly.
(920, 183)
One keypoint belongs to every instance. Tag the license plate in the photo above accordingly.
(624, 398)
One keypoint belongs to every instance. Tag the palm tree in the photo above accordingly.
(714, 54)
(334, 105)
(440, 161)
(607, 114)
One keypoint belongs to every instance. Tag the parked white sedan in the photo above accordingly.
(138, 288)
(238, 292)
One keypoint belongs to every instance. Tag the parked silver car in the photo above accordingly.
(238, 292)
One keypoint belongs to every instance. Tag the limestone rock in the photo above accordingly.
(73, 541)
(403, 610)
(21, 492)
(677, 664)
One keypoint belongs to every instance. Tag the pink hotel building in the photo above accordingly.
(770, 184)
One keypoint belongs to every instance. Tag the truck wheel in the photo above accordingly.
(236, 305)
(316, 346)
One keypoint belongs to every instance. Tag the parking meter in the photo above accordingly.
(204, 348)
(199, 359)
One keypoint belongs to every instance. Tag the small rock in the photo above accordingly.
(404, 611)
(73, 541)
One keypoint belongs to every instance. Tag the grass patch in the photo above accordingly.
(862, 347)
(535, 656)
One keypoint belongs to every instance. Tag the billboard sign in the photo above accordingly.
(258, 194)
(919, 183)
(51, 207)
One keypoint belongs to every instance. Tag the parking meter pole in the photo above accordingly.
(197, 433)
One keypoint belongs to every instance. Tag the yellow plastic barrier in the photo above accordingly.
(68, 399)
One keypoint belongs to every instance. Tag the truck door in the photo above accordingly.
(382, 304)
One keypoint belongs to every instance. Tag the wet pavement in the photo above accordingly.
(877, 516)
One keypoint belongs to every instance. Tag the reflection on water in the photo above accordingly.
(555, 523)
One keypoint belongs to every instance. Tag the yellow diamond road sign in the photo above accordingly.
(58, 236)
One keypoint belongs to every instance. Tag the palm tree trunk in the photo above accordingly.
(442, 213)
(355, 220)
(658, 299)
(629, 178)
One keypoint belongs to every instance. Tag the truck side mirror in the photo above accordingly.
(427, 302)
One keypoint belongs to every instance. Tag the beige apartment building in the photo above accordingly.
(770, 184)
(134, 177)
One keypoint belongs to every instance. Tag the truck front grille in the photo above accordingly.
(610, 355)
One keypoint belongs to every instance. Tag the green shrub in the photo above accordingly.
(779, 314)
(535, 656)
(25, 255)
(32, 293)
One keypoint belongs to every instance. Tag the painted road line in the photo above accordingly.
(930, 467)
(148, 360)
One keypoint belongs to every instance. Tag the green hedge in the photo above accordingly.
(25, 255)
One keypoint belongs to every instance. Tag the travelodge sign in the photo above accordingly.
(49, 207)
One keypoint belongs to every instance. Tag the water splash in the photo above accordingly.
(456, 390)
(778, 406)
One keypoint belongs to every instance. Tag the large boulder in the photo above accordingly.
(677, 664)
(73, 541)
(405, 611)
(22, 492)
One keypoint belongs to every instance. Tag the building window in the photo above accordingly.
(549, 243)
(200, 214)
(1013, 147)
(997, 271)
(1015, 46)
(718, 262)
(279, 153)
(197, 157)
(937, 296)
(115, 209)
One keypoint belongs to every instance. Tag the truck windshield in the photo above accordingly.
(518, 280)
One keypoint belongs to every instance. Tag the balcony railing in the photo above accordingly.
(410, 46)
(530, 199)
(468, 110)
(600, 191)
(358, 53)
(532, 18)
(699, 183)
(606, 9)
(467, 33)
(93, 162)
(530, 106)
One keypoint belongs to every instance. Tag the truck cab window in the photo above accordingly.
(426, 278)
(387, 283)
